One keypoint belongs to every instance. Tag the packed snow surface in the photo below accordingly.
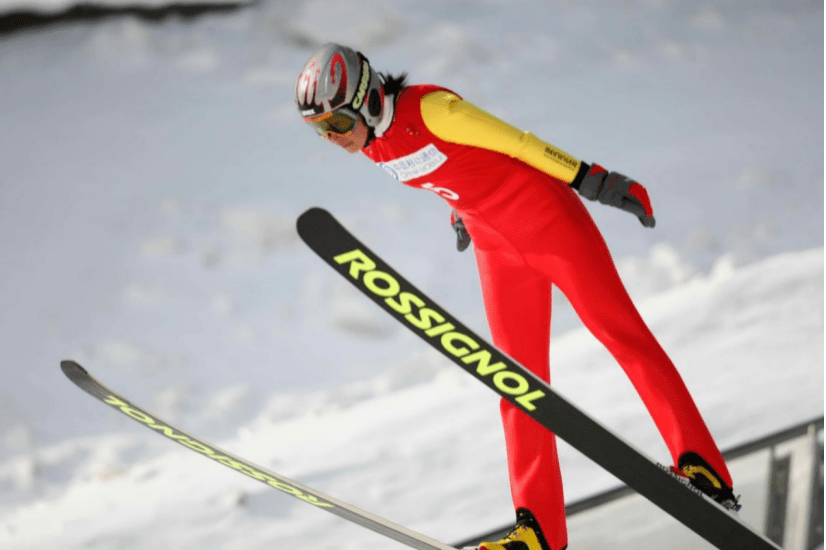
(151, 180)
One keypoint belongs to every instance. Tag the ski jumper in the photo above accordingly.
(530, 231)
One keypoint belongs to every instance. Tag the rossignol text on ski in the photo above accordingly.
(90, 385)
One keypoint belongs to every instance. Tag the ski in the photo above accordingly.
(408, 305)
(87, 383)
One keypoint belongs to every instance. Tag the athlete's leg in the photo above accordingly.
(518, 308)
(581, 266)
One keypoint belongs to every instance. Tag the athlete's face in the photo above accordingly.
(351, 142)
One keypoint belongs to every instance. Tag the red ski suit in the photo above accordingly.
(530, 231)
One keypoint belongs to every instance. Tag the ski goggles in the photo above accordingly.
(340, 122)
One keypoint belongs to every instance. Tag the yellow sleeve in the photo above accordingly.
(455, 120)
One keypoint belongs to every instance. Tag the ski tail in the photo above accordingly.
(82, 379)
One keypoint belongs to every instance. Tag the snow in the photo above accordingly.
(152, 176)
(57, 6)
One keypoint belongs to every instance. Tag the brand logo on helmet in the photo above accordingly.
(308, 85)
(358, 101)
(310, 98)
(338, 76)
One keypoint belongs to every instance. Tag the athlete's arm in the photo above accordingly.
(453, 119)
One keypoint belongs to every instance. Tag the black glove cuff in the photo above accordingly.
(580, 175)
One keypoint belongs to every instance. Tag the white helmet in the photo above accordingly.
(339, 80)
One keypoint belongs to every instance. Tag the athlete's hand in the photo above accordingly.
(462, 236)
(614, 189)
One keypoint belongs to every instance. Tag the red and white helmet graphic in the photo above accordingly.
(338, 77)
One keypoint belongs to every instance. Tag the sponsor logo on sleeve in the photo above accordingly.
(561, 158)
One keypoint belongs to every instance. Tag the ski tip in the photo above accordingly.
(314, 210)
(72, 369)
(309, 217)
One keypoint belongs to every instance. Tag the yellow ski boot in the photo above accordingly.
(525, 536)
(702, 476)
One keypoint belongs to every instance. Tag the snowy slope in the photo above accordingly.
(385, 445)
(152, 176)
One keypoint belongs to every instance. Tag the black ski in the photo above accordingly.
(87, 383)
(408, 305)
